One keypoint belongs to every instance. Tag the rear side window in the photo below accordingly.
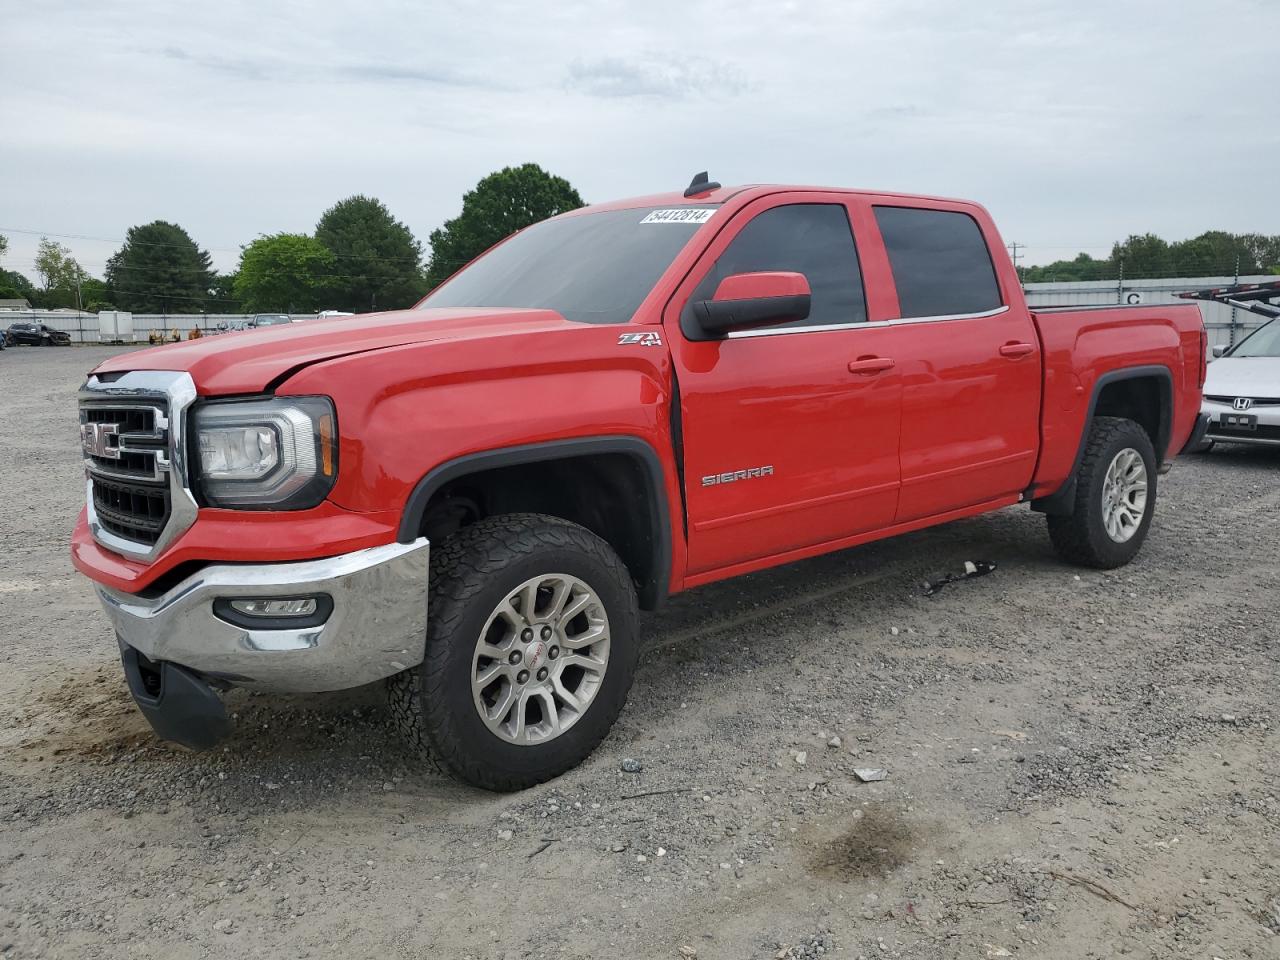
(941, 264)
(810, 238)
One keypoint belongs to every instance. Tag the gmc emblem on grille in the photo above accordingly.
(94, 437)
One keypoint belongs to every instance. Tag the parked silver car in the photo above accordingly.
(1242, 390)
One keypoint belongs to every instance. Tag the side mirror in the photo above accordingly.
(744, 301)
(1219, 350)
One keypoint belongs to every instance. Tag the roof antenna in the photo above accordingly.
(700, 184)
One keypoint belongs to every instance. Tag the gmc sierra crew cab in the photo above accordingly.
(471, 499)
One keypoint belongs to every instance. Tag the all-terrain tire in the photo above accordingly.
(472, 572)
(1081, 537)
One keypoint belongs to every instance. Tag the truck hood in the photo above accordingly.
(249, 361)
(1244, 377)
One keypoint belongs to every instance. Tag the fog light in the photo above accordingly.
(274, 613)
(287, 607)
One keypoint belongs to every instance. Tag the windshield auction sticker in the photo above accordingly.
(680, 215)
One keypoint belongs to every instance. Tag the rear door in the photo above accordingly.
(969, 359)
(784, 446)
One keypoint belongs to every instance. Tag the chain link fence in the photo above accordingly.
(1225, 325)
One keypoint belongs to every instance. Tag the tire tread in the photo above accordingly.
(1072, 535)
(461, 566)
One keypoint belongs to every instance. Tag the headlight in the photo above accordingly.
(279, 454)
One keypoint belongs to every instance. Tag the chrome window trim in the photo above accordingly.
(141, 385)
(864, 324)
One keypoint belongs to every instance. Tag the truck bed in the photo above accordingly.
(1085, 346)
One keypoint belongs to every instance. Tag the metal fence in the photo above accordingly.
(1225, 325)
(83, 327)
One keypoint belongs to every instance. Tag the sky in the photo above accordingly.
(1075, 122)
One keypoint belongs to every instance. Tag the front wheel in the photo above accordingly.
(531, 650)
(1115, 497)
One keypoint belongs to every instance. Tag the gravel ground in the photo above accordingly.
(1080, 764)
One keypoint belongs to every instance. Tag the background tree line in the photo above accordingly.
(1212, 254)
(359, 258)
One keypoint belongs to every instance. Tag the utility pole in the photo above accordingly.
(1013, 253)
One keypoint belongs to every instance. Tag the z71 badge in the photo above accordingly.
(643, 339)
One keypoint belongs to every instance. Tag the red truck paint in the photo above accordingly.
(952, 419)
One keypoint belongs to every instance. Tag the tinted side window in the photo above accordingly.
(940, 262)
(810, 238)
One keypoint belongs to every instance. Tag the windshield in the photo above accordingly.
(1263, 342)
(590, 268)
(269, 321)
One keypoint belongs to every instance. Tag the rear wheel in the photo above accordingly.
(531, 650)
(1115, 497)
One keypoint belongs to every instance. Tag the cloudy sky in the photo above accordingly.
(1075, 121)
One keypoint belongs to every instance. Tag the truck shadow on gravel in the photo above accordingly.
(91, 716)
(301, 750)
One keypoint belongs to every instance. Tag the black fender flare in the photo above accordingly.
(1062, 501)
(655, 589)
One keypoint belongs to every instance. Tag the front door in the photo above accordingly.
(790, 432)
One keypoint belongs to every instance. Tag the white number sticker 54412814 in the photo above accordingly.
(680, 215)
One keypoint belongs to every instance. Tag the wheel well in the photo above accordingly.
(1143, 395)
(1142, 400)
(612, 494)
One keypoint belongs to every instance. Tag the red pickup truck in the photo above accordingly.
(607, 408)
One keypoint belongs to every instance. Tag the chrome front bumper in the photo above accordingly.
(377, 626)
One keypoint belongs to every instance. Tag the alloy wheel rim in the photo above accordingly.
(540, 659)
(1124, 495)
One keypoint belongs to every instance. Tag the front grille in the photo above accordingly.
(135, 512)
(129, 470)
(1257, 401)
(1262, 431)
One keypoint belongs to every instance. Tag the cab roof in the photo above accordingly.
(743, 194)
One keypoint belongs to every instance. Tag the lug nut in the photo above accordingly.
(522, 676)
(553, 652)
(542, 674)
(526, 634)
(546, 633)
(515, 656)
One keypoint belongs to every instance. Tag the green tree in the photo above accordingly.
(286, 272)
(377, 260)
(1216, 253)
(501, 203)
(15, 286)
(159, 270)
(60, 275)
(95, 295)
(1083, 267)
(222, 293)
(1144, 255)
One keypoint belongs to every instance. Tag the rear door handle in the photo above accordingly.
(870, 365)
(1015, 350)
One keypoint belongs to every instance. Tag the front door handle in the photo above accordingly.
(1015, 350)
(869, 365)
